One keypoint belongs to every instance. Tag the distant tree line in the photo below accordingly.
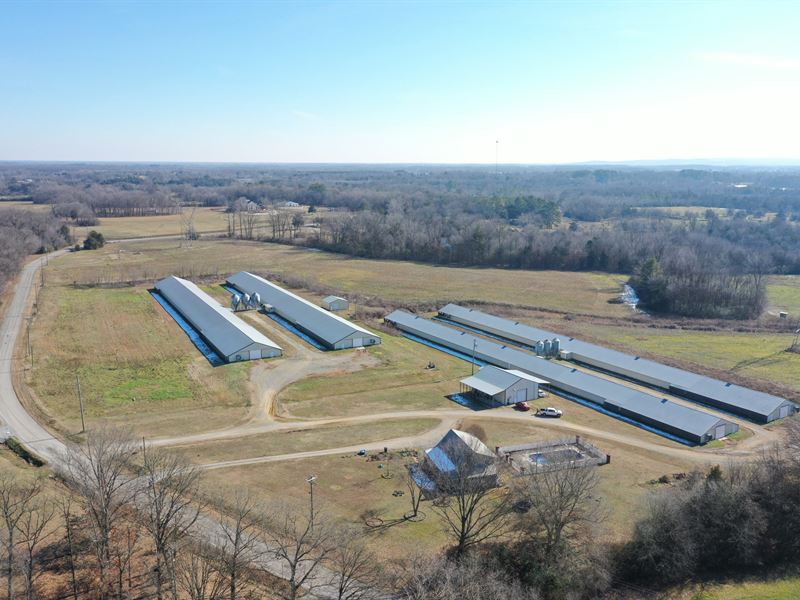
(712, 261)
(24, 232)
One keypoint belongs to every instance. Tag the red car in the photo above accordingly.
(523, 406)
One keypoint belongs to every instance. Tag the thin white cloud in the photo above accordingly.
(763, 61)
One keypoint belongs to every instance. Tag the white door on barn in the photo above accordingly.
(358, 342)
(719, 432)
(521, 395)
(784, 412)
(255, 354)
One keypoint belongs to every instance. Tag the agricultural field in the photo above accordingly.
(206, 220)
(136, 366)
(397, 282)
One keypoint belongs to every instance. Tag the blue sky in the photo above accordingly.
(399, 82)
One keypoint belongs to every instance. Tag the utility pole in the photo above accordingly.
(474, 348)
(30, 348)
(311, 480)
(80, 401)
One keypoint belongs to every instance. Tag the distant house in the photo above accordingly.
(291, 204)
(493, 385)
(335, 303)
(459, 458)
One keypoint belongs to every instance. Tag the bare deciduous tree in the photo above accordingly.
(97, 472)
(300, 544)
(472, 509)
(199, 574)
(16, 504)
(561, 502)
(240, 538)
(169, 485)
(354, 568)
(35, 526)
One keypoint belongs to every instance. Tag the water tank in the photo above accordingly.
(236, 299)
(548, 347)
(255, 299)
(556, 346)
(246, 300)
(540, 347)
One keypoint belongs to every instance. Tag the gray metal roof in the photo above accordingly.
(325, 325)
(735, 397)
(221, 328)
(492, 380)
(333, 299)
(607, 393)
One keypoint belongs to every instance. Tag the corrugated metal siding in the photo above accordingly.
(227, 333)
(732, 398)
(688, 423)
(328, 328)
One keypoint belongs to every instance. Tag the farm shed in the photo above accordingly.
(331, 330)
(661, 414)
(228, 335)
(751, 404)
(459, 457)
(335, 303)
(502, 386)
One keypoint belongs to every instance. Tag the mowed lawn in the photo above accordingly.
(400, 382)
(133, 360)
(783, 293)
(397, 282)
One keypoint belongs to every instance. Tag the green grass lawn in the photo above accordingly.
(783, 293)
(782, 589)
(133, 361)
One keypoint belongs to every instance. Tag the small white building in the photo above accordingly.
(291, 204)
(494, 385)
(335, 303)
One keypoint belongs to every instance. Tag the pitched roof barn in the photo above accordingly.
(231, 338)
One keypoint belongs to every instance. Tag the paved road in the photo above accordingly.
(12, 414)
(16, 420)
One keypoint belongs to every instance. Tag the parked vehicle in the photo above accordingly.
(542, 393)
(522, 406)
(549, 412)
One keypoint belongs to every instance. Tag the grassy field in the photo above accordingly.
(400, 382)
(135, 364)
(783, 293)
(24, 204)
(115, 228)
(782, 589)
(304, 440)
(349, 488)
(394, 281)
(760, 356)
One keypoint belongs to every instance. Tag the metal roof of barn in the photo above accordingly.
(736, 397)
(325, 325)
(614, 395)
(223, 330)
(492, 380)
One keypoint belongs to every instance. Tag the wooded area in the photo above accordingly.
(714, 233)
